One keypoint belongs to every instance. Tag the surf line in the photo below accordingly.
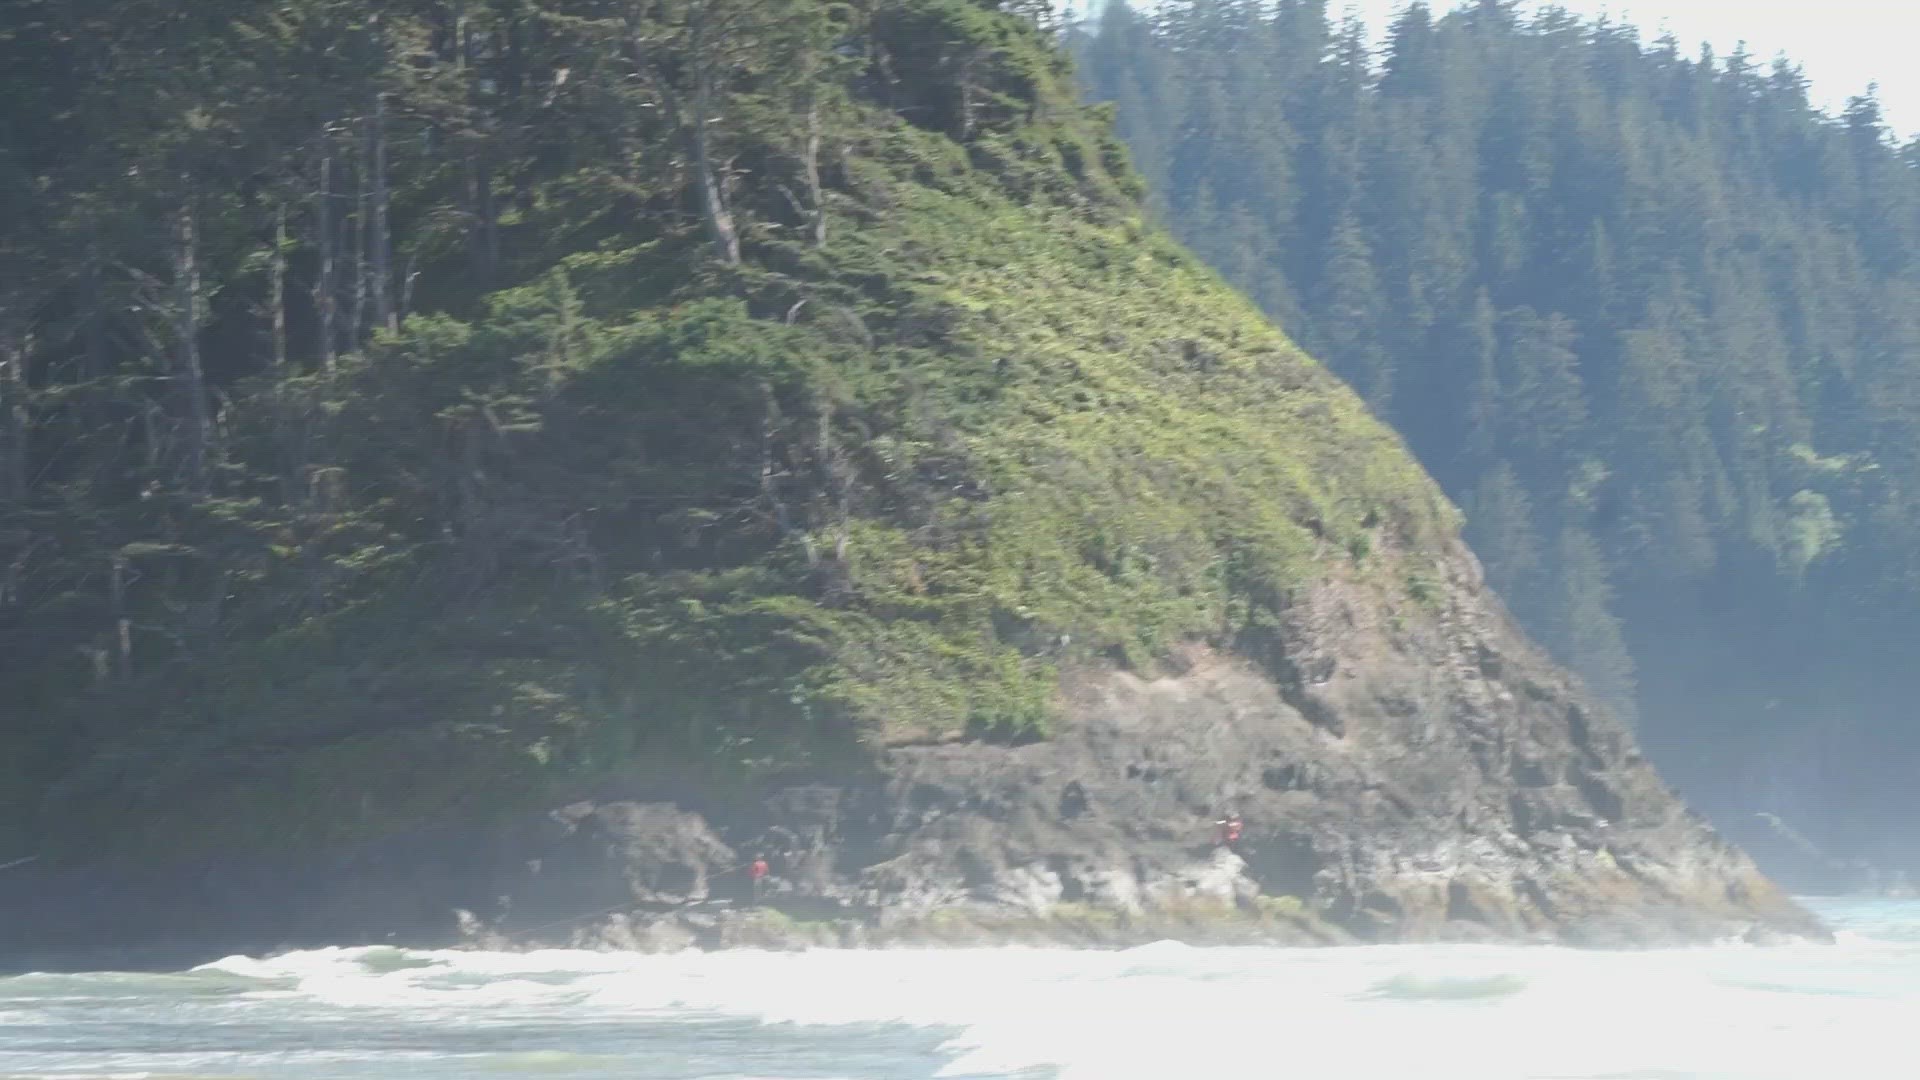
(17, 862)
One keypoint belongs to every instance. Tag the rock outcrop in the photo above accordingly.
(1040, 545)
(1415, 771)
(1423, 774)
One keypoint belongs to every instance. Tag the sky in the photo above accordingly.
(1842, 45)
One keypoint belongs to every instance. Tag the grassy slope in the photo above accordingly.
(1032, 427)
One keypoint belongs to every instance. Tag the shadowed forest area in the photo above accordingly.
(550, 388)
(1647, 315)
(416, 411)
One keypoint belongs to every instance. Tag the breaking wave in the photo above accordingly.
(1165, 1010)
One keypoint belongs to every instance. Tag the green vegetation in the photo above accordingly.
(413, 411)
(1280, 907)
(1649, 317)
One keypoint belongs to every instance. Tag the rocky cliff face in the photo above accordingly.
(1420, 773)
(994, 539)
(1416, 772)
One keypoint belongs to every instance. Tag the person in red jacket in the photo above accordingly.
(757, 875)
(1228, 830)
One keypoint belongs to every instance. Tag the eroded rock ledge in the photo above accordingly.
(1415, 772)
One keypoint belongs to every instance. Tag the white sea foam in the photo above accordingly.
(1165, 1010)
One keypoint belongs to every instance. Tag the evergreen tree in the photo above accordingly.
(1502, 531)
(1584, 628)
(1646, 313)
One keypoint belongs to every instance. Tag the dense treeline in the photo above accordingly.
(356, 354)
(1650, 317)
(411, 408)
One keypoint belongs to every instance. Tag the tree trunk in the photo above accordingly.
(94, 330)
(122, 624)
(323, 288)
(191, 378)
(839, 477)
(693, 121)
(407, 279)
(152, 436)
(14, 419)
(357, 333)
(769, 469)
(713, 196)
(483, 243)
(277, 285)
(15, 576)
(382, 239)
(968, 102)
(488, 221)
(810, 161)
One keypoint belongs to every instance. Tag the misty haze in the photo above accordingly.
(891, 539)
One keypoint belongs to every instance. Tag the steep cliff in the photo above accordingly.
(1407, 769)
(906, 510)
(1556, 298)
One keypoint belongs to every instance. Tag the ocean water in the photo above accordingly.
(1849, 1011)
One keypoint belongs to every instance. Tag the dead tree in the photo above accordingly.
(324, 300)
(190, 377)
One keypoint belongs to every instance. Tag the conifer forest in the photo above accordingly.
(1647, 314)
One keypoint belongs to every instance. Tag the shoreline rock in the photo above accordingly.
(1075, 926)
(1408, 768)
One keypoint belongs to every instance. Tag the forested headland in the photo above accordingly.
(415, 410)
(1650, 317)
